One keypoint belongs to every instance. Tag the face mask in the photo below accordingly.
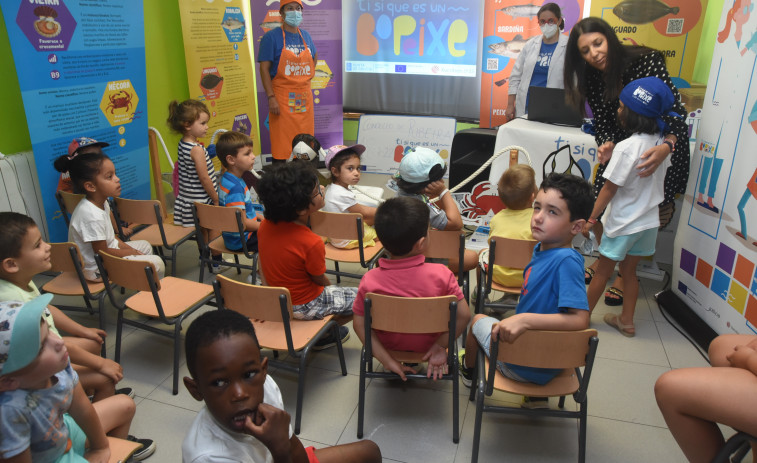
(549, 30)
(293, 18)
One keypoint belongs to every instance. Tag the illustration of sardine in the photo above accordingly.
(502, 82)
(210, 81)
(510, 49)
(642, 11)
(521, 11)
(322, 73)
(232, 24)
(270, 24)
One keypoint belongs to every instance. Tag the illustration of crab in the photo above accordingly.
(121, 99)
(482, 201)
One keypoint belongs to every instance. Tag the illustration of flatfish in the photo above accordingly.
(502, 82)
(322, 73)
(510, 49)
(232, 24)
(521, 11)
(270, 24)
(210, 81)
(642, 11)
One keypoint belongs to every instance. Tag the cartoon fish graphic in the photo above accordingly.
(642, 11)
(270, 24)
(510, 49)
(502, 82)
(521, 11)
(322, 73)
(232, 24)
(210, 81)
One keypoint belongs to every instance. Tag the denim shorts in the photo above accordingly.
(482, 330)
(636, 244)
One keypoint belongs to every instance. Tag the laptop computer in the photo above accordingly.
(548, 105)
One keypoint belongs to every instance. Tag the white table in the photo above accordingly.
(540, 140)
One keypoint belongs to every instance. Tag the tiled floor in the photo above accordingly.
(412, 422)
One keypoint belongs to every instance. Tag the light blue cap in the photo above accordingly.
(19, 332)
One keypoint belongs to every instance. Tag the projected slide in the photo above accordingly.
(435, 37)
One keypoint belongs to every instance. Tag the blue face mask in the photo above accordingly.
(293, 18)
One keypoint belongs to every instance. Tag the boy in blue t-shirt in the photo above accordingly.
(553, 296)
(234, 150)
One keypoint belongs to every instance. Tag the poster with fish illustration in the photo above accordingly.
(322, 19)
(508, 24)
(220, 69)
(672, 26)
(81, 75)
(715, 251)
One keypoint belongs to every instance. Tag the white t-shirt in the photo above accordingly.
(90, 223)
(208, 442)
(634, 207)
(338, 199)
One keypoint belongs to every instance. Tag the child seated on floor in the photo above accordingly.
(46, 415)
(553, 296)
(244, 417)
(402, 226)
(291, 255)
(344, 164)
(420, 176)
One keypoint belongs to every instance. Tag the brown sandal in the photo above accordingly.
(614, 321)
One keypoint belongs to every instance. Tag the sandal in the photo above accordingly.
(614, 321)
(666, 212)
(590, 272)
(614, 297)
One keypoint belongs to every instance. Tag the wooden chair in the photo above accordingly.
(566, 350)
(157, 231)
(170, 300)
(411, 316)
(67, 203)
(222, 219)
(507, 253)
(66, 259)
(737, 445)
(121, 449)
(447, 245)
(345, 226)
(270, 311)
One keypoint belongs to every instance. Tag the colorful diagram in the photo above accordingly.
(47, 28)
(211, 83)
(323, 76)
(119, 102)
(233, 24)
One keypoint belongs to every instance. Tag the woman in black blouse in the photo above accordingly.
(597, 67)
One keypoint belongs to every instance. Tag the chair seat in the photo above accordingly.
(185, 294)
(68, 284)
(219, 246)
(566, 383)
(174, 234)
(270, 333)
(352, 255)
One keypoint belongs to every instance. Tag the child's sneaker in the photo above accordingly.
(126, 391)
(329, 341)
(534, 402)
(466, 374)
(148, 448)
(217, 266)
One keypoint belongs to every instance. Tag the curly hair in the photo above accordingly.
(574, 190)
(287, 189)
(82, 168)
(182, 115)
(210, 327)
(400, 222)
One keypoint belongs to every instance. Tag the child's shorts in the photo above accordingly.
(482, 330)
(75, 454)
(333, 300)
(369, 239)
(636, 244)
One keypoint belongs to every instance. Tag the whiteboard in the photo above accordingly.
(388, 138)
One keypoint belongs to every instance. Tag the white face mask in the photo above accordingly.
(549, 30)
(293, 18)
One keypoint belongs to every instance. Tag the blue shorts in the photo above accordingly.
(482, 330)
(76, 453)
(636, 244)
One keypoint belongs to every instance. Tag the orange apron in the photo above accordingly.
(291, 88)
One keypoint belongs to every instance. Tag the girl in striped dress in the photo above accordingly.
(197, 176)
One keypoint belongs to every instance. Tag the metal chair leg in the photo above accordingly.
(176, 350)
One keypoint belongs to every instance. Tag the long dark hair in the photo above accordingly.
(82, 168)
(577, 69)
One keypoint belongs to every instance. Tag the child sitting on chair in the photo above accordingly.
(402, 226)
(553, 296)
(291, 255)
(244, 418)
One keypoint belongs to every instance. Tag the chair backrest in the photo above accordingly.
(127, 273)
(60, 257)
(139, 211)
(412, 315)
(255, 302)
(338, 225)
(220, 218)
(509, 252)
(546, 349)
(68, 201)
(445, 244)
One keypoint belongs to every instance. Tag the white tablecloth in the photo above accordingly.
(540, 140)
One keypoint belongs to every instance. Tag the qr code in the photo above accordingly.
(675, 26)
(492, 64)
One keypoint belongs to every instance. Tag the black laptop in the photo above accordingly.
(548, 105)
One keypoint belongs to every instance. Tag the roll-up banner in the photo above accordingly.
(715, 255)
(322, 19)
(81, 69)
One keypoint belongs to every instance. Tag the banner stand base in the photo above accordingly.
(694, 326)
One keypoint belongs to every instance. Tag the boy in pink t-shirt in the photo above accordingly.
(402, 226)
